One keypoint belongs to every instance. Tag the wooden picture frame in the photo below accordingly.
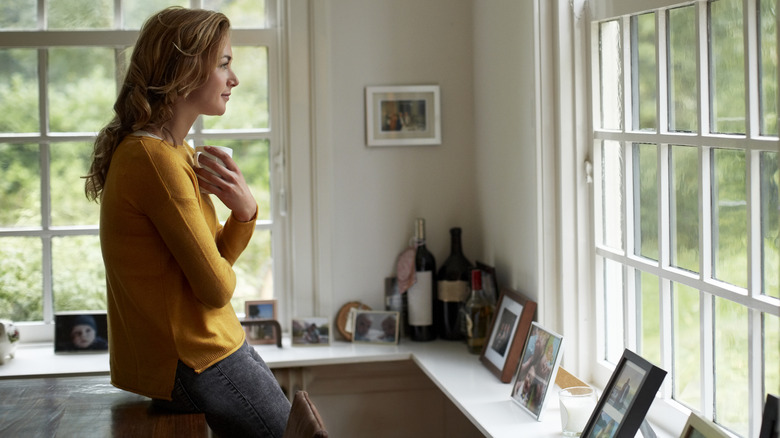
(260, 309)
(699, 427)
(375, 327)
(770, 424)
(626, 398)
(535, 377)
(508, 333)
(403, 115)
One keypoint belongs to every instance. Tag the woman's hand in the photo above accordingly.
(228, 185)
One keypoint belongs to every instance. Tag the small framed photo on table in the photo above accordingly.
(626, 398)
(539, 364)
(80, 332)
(403, 115)
(260, 309)
(699, 427)
(375, 327)
(508, 332)
(311, 331)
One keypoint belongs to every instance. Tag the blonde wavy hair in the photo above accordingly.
(175, 53)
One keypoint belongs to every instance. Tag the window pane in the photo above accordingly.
(252, 158)
(135, 13)
(684, 208)
(644, 73)
(21, 288)
(687, 348)
(649, 329)
(69, 206)
(613, 310)
(612, 194)
(19, 90)
(80, 14)
(770, 224)
(683, 104)
(254, 271)
(611, 73)
(20, 185)
(242, 13)
(646, 200)
(767, 22)
(248, 106)
(81, 88)
(78, 274)
(731, 365)
(18, 15)
(771, 354)
(727, 67)
(729, 217)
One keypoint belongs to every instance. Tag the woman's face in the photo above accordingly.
(212, 97)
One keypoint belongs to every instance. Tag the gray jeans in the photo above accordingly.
(239, 395)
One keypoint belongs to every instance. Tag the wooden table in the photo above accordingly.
(86, 406)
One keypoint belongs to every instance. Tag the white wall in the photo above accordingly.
(483, 177)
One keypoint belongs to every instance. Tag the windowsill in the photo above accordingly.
(479, 395)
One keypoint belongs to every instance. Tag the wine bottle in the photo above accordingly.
(478, 315)
(453, 290)
(421, 294)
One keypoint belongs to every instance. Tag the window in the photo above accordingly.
(685, 147)
(60, 66)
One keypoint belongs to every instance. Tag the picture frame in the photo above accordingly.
(535, 377)
(403, 115)
(508, 333)
(375, 327)
(80, 332)
(313, 330)
(260, 309)
(262, 331)
(489, 280)
(700, 427)
(626, 398)
(770, 423)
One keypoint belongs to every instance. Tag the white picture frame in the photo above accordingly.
(403, 115)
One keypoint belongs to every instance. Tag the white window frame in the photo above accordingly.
(270, 35)
(666, 412)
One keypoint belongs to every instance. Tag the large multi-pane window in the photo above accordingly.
(685, 142)
(61, 62)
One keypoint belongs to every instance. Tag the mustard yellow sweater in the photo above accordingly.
(168, 268)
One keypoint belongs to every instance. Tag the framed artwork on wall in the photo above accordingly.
(403, 115)
(508, 333)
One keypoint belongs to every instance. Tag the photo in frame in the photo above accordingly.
(375, 327)
(403, 115)
(626, 398)
(508, 333)
(260, 309)
(80, 332)
(699, 427)
(535, 377)
(310, 331)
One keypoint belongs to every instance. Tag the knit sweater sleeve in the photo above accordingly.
(185, 220)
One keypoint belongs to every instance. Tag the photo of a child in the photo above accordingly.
(80, 332)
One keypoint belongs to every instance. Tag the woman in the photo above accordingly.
(173, 334)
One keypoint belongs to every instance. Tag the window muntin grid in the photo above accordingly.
(714, 283)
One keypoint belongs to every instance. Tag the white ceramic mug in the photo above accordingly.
(202, 150)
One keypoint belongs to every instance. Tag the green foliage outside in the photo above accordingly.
(80, 94)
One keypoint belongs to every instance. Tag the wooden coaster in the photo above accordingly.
(343, 317)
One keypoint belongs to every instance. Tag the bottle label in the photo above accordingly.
(453, 291)
(420, 299)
